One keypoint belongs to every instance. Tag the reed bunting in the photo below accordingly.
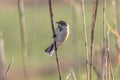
(62, 33)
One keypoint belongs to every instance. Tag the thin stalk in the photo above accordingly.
(104, 63)
(8, 68)
(116, 34)
(111, 69)
(1, 57)
(107, 54)
(109, 59)
(97, 73)
(85, 35)
(104, 16)
(111, 75)
(116, 28)
(92, 35)
(23, 43)
(73, 75)
(68, 76)
(54, 37)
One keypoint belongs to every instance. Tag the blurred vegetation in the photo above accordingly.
(39, 36)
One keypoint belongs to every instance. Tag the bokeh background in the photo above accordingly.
(38, 36)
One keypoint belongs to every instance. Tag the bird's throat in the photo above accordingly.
(60, 28)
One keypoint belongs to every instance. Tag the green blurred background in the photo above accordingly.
(38, 34)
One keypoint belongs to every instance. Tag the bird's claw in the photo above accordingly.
(54, 36)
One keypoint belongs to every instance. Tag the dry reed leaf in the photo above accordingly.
(114, 32)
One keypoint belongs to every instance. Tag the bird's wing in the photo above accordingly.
(61, 36)
(58, 36)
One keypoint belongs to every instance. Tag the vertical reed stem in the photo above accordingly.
(111, 68)
(111, 75)
(116, 29)
(86, 42)
(92, 35)
(104, 16)
(23, 43)
(104, 57)
(107, 54)
(1, 57)
(109, 59)
(54, 36)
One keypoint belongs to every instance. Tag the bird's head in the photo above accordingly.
(62, 24)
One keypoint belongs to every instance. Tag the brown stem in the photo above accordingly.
(92, 35)
(54, 34)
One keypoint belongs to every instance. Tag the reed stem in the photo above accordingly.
(1, 57)
(23, 43)
(92, 35)
(54, 37)
(85, 35)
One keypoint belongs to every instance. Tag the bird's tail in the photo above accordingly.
(50, 49)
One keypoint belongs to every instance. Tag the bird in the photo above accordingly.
(61, 36)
